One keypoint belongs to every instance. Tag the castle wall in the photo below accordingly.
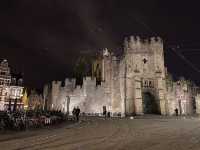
(197, 97)
(55, 92)
(95, 97)
(90, 98)
(116, 99)
(138, 96)
(171, 101)
(180, 96)
(124, 83)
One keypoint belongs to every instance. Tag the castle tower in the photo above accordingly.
(107, 74)
(106, 65)
(145, 75)
(55, 92)
(157, 47)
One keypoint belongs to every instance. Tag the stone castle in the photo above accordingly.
(135, 83)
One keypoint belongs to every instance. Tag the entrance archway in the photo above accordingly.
(150, 105)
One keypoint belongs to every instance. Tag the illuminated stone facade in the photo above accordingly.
(11, 88)
(5, 80)
(182, 95)
(35, 100)
(135, 83)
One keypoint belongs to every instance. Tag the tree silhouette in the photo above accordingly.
(82, 69)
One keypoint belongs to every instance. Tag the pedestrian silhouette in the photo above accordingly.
(77, 113)
(74, 113)
(176, 111)
(104, 112)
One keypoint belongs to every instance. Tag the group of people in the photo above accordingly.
(76, 112)
(106, 114)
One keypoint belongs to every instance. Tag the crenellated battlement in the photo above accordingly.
(157, 40)
(70, 82)
(91, 82)
(56, 83)
(135, 43)
(89, 78)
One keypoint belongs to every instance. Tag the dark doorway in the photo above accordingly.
(150, 106)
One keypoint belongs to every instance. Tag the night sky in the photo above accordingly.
(43, 38)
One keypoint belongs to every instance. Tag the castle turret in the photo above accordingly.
(156, 45)
(106, 65)
(70, 83)
(134, 43)
(55, 92)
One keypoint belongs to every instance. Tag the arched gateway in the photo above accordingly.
(150, 104)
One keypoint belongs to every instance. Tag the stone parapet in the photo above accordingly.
(135, 43)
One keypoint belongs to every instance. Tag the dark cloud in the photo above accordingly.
(44, 38)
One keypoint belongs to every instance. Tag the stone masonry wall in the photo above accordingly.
(122, 89)
(90, 98)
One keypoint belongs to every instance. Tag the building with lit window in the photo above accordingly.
(11, 89)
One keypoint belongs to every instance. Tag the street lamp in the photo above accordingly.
(67, 101)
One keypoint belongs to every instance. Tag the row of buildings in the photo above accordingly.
(11, 87)
(12, 91)
(137, 82)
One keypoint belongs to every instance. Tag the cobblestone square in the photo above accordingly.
(156, 133)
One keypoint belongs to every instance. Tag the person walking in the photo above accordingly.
(176, 111)
(77, 113)
(105, 114)
(74, 113)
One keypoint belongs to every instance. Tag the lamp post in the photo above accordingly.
(64, 105)
(66, 102)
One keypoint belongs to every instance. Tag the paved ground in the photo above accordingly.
(112, 134)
